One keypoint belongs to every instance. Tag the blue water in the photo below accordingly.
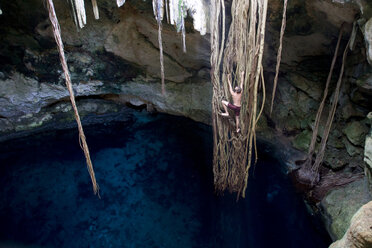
(156, 184)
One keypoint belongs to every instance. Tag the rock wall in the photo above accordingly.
(368, 154)
(359, 233)
(340, 205)
(115, 61)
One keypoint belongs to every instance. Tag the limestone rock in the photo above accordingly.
(302, 141)
(359, 233)
(335, 158)
(356, 132)
(365, 83)
(22, 95)
(368, 153)
(341, 204)
(367, 30)
(135, 39)
(351, 149)
(28, 102)
(348, 110)
(335, 138)
(191, 100)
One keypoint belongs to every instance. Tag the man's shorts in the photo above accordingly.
(236, 109)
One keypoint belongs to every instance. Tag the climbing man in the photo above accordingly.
(236, 94)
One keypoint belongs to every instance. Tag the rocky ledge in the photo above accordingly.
(114, 62)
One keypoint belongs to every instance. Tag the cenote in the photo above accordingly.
(156, 188)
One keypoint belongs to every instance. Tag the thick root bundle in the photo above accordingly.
(242, 52)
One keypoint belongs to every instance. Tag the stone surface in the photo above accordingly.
(349, 110)
(127, 41)
(341, 204)
(368, 153)
(192, 100)
(365, 83)
(335, 159)
(302, 141)
(32, 109)
(359, 233)
(351, 149)
(367, 30)
(20, 95)
(356, 132)
(312, 89)
(115, 61)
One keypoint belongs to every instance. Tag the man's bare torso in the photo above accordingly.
(237, 99)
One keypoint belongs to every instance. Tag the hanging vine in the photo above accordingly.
(279, 55)
(158, 12)
(82, 139)
(309, 173)
(242, 52)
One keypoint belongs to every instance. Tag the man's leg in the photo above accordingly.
(237, 124)
(224, 104)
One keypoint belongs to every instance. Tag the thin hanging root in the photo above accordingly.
(259, 114)
(158, 12)
(279, 55)
(167, 10)
(258, 74)
(183, 28)
(95, 9)
(263, 97)
(161, 59)
(223, 33)
(327, 129)
(322, 103)
(82, 140)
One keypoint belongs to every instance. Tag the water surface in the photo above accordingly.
(156, 184)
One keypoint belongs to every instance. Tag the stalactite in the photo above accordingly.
(120, 3)
(78, 9)
(167, 10)
(159, 12)
(95, 9)
(183, 31)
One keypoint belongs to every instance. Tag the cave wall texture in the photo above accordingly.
(115, 61)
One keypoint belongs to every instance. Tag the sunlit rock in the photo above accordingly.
(359, 233)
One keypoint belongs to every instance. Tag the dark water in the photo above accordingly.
(156, 191)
